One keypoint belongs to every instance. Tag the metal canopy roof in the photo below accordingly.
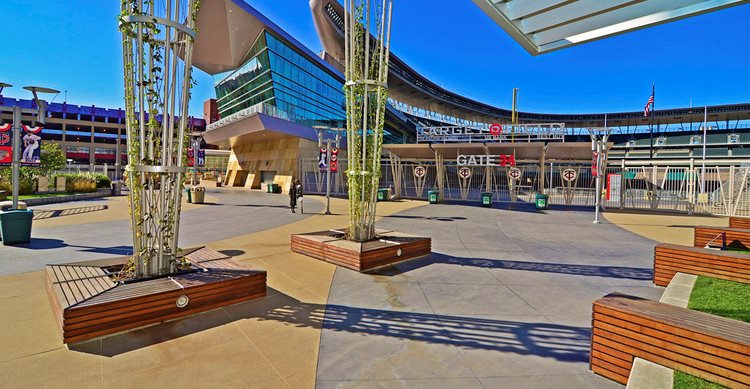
(541, 26)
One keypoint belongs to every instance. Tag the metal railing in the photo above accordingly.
(674, 186)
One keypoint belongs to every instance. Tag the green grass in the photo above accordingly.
(722, 298)
(717, 297)
(687, 381)
(40, 195)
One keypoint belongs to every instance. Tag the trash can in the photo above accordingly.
(541, 201)
(269, 188)
(382, 194)
(432, 196)
(198, 193)
(15, 226)
(116, 188)
(189, 197)
(486, 199)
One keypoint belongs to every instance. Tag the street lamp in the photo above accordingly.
(328, 142)
(41, 113)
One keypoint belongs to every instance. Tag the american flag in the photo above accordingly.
(649, 104)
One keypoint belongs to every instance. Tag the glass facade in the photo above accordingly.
(275, 73)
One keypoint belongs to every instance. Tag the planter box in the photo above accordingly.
(388, 248)
(88, 304)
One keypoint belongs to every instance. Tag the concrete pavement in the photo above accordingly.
(504, 301)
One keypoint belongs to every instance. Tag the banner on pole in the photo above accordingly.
(334, 160)
(6, 143)
(323, 160)
(31, 146)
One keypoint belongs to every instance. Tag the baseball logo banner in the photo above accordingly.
(334, 160)
(6, 142)
(31, 148)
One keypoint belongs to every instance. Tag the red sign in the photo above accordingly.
(508, 160)
(6, 151)
(496, 129)
(334, 160)
(594, 166)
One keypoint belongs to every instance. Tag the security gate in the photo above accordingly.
(716, 189)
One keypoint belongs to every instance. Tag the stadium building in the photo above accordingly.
(273, 95)
(92, 137)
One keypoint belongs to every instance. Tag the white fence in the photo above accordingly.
(717, 189)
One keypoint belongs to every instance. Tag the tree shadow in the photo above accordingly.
(620, 272)
(560, 342)
(53, 244)
(437, 218)
(41, 214)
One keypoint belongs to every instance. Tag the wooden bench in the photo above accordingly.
(735, 238)
(707, 346)
(88, 304)
(670, 259)
(739, 222)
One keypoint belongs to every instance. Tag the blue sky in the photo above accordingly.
(74, 45)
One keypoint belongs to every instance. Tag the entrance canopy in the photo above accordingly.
(533, 151)
(541, 26)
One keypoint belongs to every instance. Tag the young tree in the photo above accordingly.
(368, 31)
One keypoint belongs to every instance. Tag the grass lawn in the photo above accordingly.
(40, 195)
(717, 297)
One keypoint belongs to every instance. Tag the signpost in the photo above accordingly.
(328, 160)
(420, 172)
(599, 137)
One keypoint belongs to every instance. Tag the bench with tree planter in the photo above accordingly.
(739, 222)
(670, 259)
(722, 237)
(624, 327)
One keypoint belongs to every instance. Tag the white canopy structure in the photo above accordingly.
(541, 26)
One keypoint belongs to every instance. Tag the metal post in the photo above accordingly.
(598, 193)
(16, 153)
(328, 177)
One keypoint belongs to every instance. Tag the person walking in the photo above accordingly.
(293, 195)
(300, 192)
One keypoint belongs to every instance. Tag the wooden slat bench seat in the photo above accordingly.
(88, 304)
(707, 346)
(739, 222)
(670, 259)
(736, 238)
(391, 248)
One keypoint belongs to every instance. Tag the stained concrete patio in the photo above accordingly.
(505, 301)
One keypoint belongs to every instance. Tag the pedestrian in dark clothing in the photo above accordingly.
(293, 196)
(299, 191)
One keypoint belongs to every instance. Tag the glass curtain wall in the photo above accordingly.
(277, 74)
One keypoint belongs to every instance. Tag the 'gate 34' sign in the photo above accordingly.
(486, 160)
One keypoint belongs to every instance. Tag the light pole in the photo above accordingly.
(599, 137)
(41, 113)
(328, 142)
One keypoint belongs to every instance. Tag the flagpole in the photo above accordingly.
(651, 125)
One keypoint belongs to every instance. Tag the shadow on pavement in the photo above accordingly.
(40, 214)
(51, 244)
(622, 272)
(561, 342)
(438, 218)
